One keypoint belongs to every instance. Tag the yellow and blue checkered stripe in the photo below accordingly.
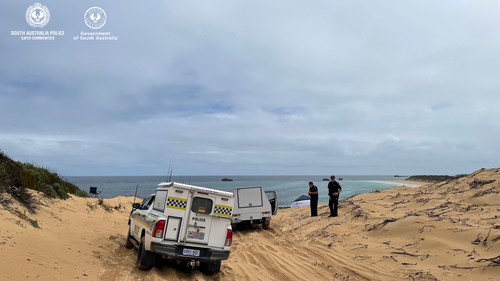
(223, 211)
(176, 203)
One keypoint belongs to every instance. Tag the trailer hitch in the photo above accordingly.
(191, 264)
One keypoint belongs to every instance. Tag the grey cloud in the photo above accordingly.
(255, 87)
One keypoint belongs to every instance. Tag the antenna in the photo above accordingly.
(170, 178)
(136, 192)
(168, 171)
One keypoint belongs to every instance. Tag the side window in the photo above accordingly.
(144, 201)
(147, 203)
(202, 205)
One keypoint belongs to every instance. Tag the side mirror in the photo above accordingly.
(136, 205)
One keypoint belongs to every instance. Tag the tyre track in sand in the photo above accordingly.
(265, 255)
(256, 254)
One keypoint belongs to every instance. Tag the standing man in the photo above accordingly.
(313, 192)
(334, 190)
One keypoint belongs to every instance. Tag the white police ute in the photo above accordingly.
(182, 222)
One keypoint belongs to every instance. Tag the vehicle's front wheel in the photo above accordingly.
(145, 259)
(210, 267)
(128, 244)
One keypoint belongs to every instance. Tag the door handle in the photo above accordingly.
(197, 226)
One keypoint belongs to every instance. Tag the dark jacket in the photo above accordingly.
(333, 187)
(313, 189)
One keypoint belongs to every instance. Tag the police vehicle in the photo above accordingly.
(253, 205)
(182, 222)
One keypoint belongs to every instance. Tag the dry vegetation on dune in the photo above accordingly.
(434, 178)
(443, 231)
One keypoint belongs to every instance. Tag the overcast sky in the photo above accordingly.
(255, 88)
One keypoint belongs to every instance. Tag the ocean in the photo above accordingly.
(288, 188)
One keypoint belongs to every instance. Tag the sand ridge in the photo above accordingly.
(442, 231)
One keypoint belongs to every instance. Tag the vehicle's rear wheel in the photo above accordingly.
(210, 267)
(266, 223)
(145, 259)
(128, 244)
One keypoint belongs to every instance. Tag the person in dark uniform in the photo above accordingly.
(334, 190)
(313, 192)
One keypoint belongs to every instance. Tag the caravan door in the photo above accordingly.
(250, 197)
(200, 219)
(273, 200)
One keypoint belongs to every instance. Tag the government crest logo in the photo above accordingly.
(95, 17)
(37, 15)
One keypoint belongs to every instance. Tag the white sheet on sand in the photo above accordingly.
(300, 203)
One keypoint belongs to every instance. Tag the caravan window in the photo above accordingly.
(202, 205)
(160, 201)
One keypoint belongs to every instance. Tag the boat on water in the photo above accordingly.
(303, 200)
(341, 179)
(326, 179)
(227, 179)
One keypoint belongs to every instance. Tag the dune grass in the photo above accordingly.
(16, 177)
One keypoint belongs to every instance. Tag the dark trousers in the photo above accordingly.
(314, 207)
(333, 204)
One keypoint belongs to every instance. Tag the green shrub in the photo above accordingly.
(28, 179)
(47, 189)
(3, 174)
(29, 175)
(82, 193)
(73, 189)
(61, 190)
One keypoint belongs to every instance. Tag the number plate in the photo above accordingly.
(190, 252)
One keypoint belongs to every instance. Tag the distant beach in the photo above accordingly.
(404, 183)
(288, 188)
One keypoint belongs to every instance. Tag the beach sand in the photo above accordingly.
(406, 183)
(442, 231)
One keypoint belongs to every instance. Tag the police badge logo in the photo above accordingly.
(95, 17)
(37, 15)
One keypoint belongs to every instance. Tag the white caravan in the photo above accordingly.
(254, 205)
(182, 222)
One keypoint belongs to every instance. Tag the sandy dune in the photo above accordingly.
(407, 183)
(444, 231)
